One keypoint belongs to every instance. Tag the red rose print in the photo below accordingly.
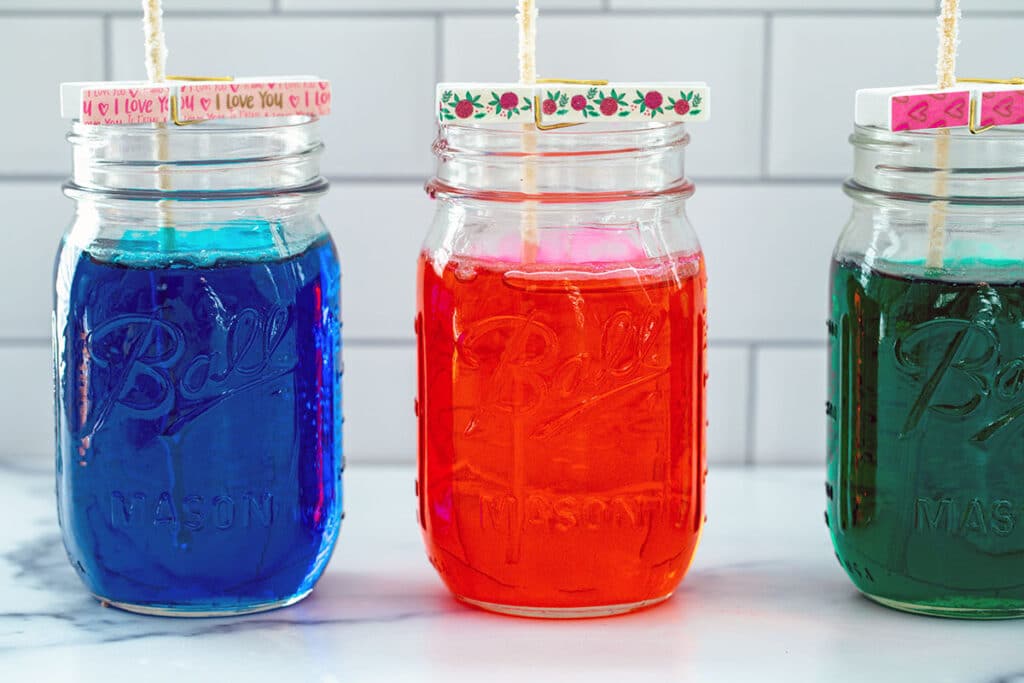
(682, 106)
(653, 99)
(579, 102)
(549, 107)
(609, 106)
(464, 109)
(509, 100)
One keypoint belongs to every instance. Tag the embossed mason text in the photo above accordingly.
(138, 510)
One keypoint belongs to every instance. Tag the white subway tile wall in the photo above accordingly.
(768, 167)
(133, 5)
(724, 51)
(33, 138)
(367, 59)
(789, 392)
(37, 215)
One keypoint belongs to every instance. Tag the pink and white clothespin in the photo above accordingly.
(977, 104)
(183, 100)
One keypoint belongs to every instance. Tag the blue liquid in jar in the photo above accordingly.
(199, 419)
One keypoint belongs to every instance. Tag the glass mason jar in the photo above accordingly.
(561, 376)
(926, 459)
(198, 367)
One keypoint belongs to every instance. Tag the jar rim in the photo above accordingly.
(593, 162)
(952, 165)
(239, 157)
(239, 125)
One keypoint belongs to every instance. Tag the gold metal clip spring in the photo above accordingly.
(974, 115)
(538, 117)
(174, 98)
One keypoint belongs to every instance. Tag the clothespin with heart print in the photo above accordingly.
(978, 104)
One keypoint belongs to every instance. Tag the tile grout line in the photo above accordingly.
(595, 12)
(438, 48)
(24, 342)
(751, 437)
(605, 7)
(108, 47)
(766, 97)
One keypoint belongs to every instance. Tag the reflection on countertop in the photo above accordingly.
(764, 601)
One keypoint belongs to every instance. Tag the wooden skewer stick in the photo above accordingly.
(156, 71)
(156, 45)
(530, 242)
(528, 76)
(949, 38)
(949, 41)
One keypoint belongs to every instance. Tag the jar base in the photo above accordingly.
(563, 612)
(202, 612)
(950, 612)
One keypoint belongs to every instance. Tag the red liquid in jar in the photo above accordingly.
(561, 427)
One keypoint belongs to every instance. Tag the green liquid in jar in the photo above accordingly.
(926, 444)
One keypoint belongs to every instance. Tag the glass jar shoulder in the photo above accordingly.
(165, 240)
(615, 234)
(894, 238)
(207, 277)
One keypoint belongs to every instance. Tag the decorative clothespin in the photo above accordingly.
(182, 100)
(981, 105)
(555, 103)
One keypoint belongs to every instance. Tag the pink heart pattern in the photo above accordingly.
(919, 112)
(1002, 108)
(930, 111)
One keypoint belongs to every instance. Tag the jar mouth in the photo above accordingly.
(231, 156)
(517, 162)
(952, 165)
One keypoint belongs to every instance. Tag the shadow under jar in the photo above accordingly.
(197, 340)
(562, 378)
(926, 456)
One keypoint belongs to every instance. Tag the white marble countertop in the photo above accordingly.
(765, 601)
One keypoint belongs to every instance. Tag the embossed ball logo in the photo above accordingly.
(970, 374)
(145, 360)
(531, 369)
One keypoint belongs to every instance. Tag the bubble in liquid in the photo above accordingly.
(465, 272)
